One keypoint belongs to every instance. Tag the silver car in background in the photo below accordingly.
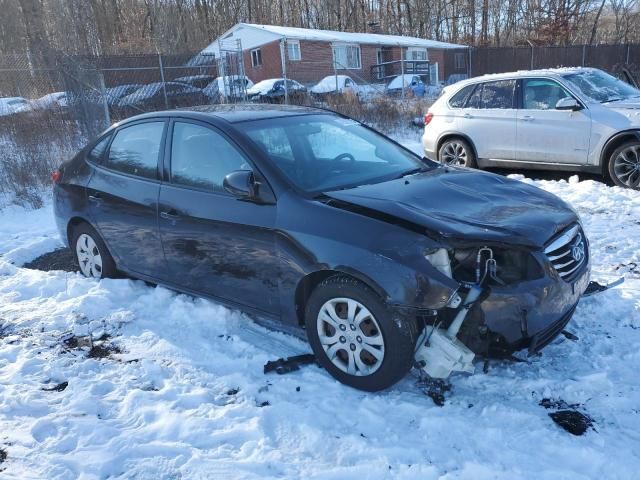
(573, 119)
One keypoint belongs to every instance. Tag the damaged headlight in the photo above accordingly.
(439, 258)
(511, 265)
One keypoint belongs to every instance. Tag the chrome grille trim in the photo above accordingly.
(564, 252)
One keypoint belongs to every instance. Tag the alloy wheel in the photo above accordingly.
(626, 166)
(89, 256)
(350, 336)
(454, 153)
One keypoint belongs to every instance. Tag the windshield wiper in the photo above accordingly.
(613, 99)
(413, 171)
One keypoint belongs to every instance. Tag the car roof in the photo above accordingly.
(546, 72)
(235, 113)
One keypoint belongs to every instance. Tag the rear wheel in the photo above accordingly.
(457, 152)
(355, 337)
(624, 165)
(91, 253)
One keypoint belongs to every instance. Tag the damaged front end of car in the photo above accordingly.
(510, 298)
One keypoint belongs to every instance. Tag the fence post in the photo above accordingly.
(469, 66)
(283, 51)
(105, 105)
(531, 56)
(164, 86)
(584, 53)
(628, 47)
(402, 71)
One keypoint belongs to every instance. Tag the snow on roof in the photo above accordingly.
(252, 35)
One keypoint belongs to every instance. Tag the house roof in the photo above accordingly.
(252, 36)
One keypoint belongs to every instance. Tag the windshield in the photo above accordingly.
(319, 153)
(601, 86)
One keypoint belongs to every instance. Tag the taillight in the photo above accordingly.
(427, 118)
(55, 176)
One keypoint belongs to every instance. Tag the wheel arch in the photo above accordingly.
(73, 223)
(614, 142)
(448, 136)
(310, 281)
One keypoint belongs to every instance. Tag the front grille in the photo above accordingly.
(568, 252)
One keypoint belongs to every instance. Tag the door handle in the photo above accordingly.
(95, 198)
(169, 215)
(527, 118)
(467, 115)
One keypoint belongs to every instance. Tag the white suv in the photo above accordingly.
(577, 119)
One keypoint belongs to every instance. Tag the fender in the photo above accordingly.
(441, 139)
(604, 153)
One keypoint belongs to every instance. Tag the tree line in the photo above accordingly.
(103, 27)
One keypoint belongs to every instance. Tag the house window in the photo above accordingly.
(293, 50)
(346, 57)
(458, 61)
(256, 57)
(418, 54)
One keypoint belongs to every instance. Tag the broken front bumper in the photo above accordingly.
(527, 315)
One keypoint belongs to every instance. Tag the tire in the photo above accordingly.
(370, 365)
(624, 165)
(91, 253)
(457, 152)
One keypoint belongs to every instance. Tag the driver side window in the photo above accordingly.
(542, 94)
(201, 157)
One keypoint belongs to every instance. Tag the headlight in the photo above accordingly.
(440, 260)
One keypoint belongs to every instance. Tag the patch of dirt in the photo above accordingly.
(568, 416)
(99, 348)
(60, 259)
(3, 455)
(103, 350)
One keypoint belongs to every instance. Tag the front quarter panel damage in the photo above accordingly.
(388, 258)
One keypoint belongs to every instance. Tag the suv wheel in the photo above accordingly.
(457, 152)
(355, 337)
(624, 165)
(91, 253)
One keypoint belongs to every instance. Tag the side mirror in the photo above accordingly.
(240, 183)
(568, 103)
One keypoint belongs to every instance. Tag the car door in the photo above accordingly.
(215, 243)
(123, 197)
(548, 135)
(489, 119)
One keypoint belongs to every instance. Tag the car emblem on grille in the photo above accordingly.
(577, 250)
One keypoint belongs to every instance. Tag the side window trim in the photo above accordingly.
(100, 160)
(161, 150)
(169, 148)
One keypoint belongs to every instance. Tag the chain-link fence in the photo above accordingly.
(51, 105)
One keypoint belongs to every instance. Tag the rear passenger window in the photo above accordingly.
(95, 155)
(460, 99)
(201, 157)
(498, 94)
(135, 150)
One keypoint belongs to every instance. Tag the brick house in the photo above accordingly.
(308, 55)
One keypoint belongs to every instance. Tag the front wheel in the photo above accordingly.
(355, 337)
(624, 165)
(457, 152)
(91, 253)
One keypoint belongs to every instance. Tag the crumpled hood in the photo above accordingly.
(466, 205)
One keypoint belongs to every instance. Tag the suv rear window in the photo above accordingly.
(460, 99)
(498, 94)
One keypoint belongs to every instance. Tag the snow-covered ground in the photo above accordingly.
(186, 396)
